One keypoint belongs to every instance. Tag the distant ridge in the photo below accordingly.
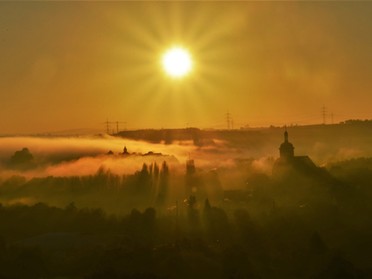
(67, 132)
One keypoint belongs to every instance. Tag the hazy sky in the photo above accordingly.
(71, 65)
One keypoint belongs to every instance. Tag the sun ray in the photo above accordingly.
(141, 53)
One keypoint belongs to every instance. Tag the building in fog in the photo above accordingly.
(288, 161)
(286, 149)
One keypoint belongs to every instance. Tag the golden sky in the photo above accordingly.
(72, 65)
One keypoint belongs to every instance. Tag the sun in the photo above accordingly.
(177, 62)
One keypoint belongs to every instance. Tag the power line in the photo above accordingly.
(324, 114)
(116, 123)
(107, 126)
(228, 120)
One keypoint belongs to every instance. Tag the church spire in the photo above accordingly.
(285, 135)
(286, 148)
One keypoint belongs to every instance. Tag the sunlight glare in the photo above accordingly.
(177, 62)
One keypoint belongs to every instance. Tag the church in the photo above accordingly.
(288, 162)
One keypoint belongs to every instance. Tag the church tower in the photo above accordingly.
(286, 148)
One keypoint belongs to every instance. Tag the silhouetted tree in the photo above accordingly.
(144, 182)
(216, 222)
(193, 213)
(22, 159)
(163, 184)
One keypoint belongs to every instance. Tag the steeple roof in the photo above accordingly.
(286, 148)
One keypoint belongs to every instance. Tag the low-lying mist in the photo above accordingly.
(80, 156)
(76, 156)
(54, 163)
